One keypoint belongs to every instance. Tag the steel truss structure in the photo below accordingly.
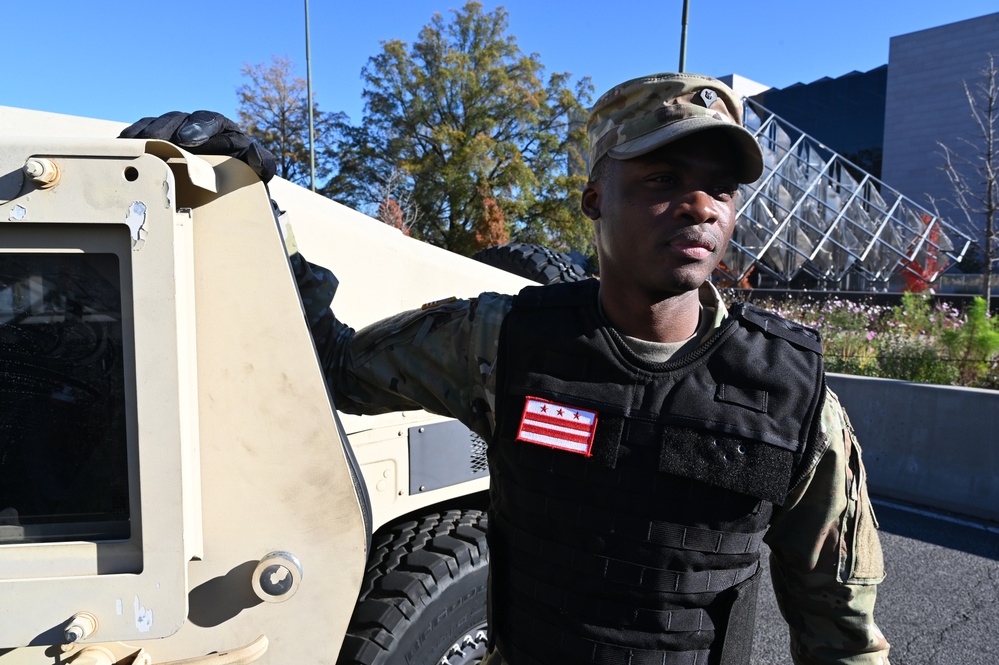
(818, 218)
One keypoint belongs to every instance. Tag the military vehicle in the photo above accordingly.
(177, 486)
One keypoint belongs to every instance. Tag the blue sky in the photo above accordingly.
(121, 60)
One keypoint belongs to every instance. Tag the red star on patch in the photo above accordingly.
(576, 415)
(544, 409)
(560, 412)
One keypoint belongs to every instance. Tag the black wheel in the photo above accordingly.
(423, 599)
(535, 262)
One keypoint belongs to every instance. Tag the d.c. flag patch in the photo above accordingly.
(557, 426)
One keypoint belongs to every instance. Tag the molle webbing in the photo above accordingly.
(585, 650)
(649, 620)
(569, 514)
(625, 573)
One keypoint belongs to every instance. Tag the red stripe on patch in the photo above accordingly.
(583, 427)
(560, 426)
(578, 438)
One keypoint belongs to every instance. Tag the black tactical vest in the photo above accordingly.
(629, 499)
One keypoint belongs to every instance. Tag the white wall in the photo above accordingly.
(936, 446)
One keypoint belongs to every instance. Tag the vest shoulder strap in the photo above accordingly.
(773, 324)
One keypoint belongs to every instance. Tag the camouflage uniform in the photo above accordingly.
(825, 555)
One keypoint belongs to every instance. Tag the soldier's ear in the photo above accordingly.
(590, 200)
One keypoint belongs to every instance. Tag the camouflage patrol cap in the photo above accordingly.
(643, 114)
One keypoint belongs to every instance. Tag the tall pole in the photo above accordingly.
(308, 86)
(683, 36)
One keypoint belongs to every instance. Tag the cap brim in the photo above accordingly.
(751, 163)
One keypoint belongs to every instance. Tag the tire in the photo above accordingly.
(423, 598)
(543, 265)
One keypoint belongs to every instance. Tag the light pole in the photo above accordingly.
(308, 87)
(683, 36)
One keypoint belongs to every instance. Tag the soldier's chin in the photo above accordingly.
(683, 281)
(694, 274)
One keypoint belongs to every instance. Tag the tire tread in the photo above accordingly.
(408, 565)
(531, 261)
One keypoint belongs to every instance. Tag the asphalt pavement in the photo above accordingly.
(939, 604)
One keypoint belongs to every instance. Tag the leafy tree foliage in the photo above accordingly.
(274, 109)
(475, 146)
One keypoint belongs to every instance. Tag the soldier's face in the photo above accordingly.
(663, 220)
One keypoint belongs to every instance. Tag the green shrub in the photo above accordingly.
(974, 344)
(913, 358)
(915, 341)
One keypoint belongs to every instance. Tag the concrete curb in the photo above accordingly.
(936, 446)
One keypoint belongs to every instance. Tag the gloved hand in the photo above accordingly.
(205, 133)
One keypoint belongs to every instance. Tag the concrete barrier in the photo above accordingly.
(936, 446)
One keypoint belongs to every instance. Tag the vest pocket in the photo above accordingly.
(864, 561)
(734, 463)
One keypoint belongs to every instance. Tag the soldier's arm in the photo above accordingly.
(826, 559)
(439, 358)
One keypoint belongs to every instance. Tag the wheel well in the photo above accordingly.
(473, 501)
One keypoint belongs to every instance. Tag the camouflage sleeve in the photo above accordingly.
(440, 358)
(825, 557)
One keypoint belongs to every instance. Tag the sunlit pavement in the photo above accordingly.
(940, 602)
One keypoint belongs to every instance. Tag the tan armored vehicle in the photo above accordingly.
(175, 484)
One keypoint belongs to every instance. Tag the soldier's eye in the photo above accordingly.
(727, 190)
(662, 179)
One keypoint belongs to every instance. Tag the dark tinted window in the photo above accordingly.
(63, 442)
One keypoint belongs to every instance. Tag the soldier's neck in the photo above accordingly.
(669, 320)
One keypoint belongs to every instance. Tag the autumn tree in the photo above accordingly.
(487, 148)
(395, 204)
(274, 109)
(973, 171)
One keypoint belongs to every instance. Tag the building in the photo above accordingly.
(891, 120)
(925, 105)
(846, 113)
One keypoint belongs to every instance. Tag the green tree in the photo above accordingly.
(274, 109)
(974, 344)
(485, 147)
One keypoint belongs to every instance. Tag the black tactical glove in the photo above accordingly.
(205, 133)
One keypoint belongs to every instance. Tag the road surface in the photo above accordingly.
(940, 602)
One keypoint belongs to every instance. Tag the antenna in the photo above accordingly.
(308, 85)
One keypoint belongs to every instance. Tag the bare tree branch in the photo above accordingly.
(972, 174)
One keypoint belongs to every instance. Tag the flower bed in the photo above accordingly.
(919, 340)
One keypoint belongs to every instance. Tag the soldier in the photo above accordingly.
(644, 441)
